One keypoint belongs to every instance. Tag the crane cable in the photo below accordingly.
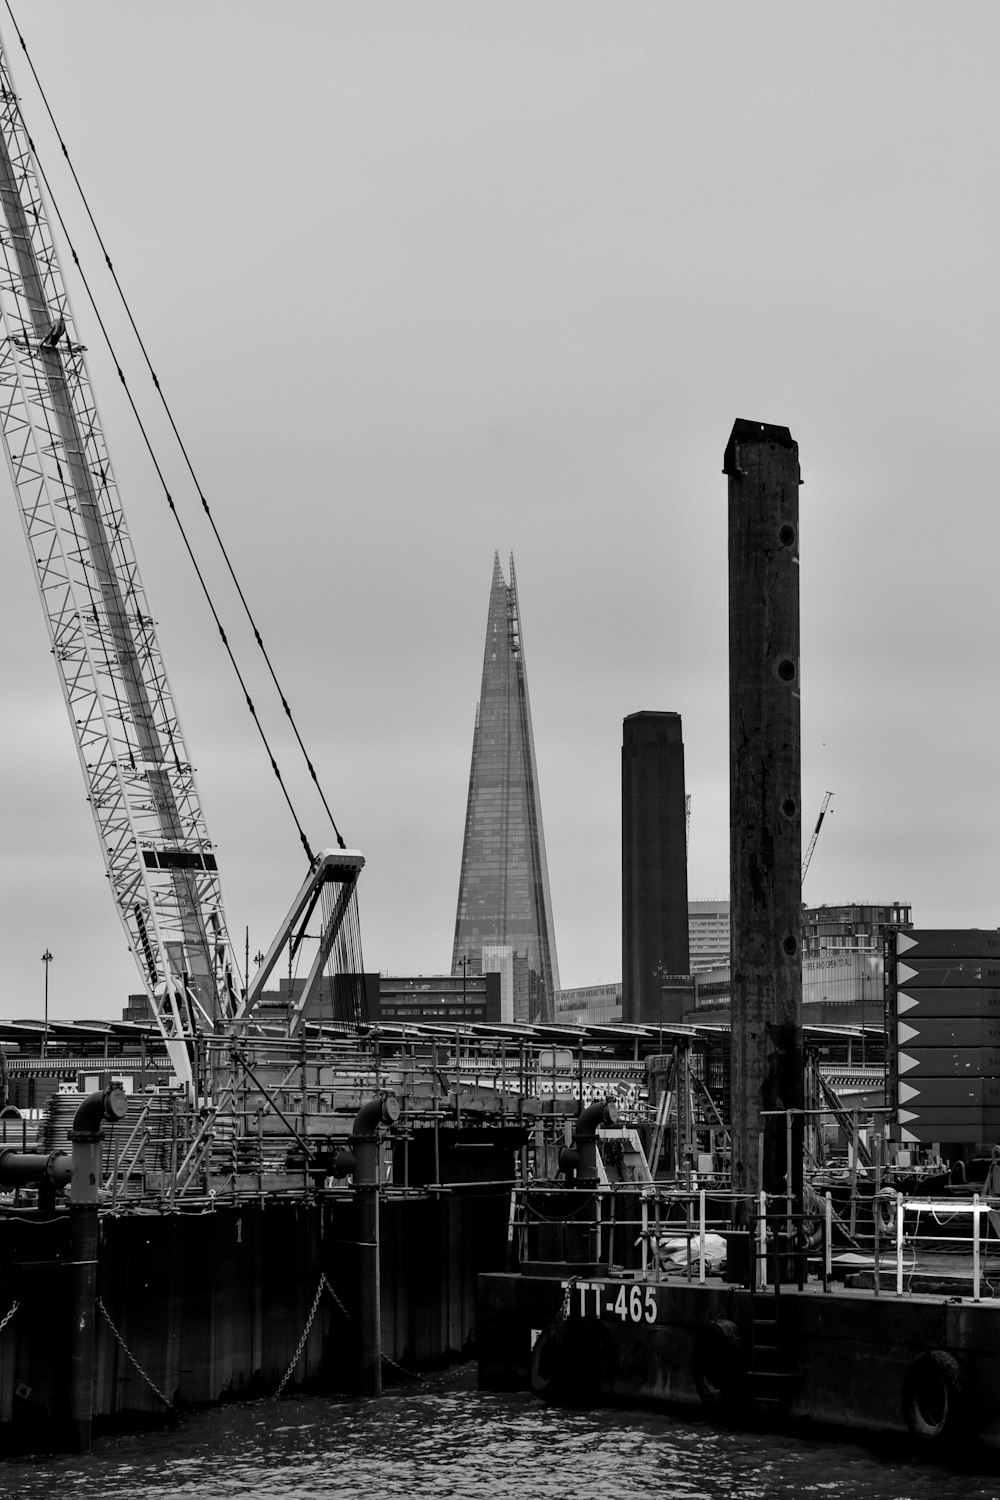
(187, 461)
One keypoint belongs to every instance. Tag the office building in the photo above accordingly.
(842, 966)
(708, 934)
(444, 999)
(503, 895)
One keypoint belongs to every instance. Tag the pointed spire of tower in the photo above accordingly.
(504, 904)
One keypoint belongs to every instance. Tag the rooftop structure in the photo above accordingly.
(857, 926)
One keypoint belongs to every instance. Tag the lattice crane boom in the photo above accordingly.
(140, 783)
(812, 842)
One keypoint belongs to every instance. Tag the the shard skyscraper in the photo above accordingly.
(504, 919)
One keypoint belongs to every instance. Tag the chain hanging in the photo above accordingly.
(151, 1383)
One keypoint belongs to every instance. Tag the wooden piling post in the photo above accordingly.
(762, 463)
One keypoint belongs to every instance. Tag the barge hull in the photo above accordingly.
(923, 1366)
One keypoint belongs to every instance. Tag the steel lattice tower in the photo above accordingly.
(140, 783)
(503, 894)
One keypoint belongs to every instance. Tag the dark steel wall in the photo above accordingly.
(212, 1304)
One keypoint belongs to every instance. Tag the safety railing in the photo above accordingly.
(790, 1246)
(655, 1232)
(897, 1251)
(646, 1230)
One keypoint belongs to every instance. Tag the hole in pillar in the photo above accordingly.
(789, 945)
(786, 669)
(786, 535)
(789, 807)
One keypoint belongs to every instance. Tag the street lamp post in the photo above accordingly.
(46, 960)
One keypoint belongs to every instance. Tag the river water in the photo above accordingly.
(440, 1439)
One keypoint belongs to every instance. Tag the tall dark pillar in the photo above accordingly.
(762, 463)
(654, 862)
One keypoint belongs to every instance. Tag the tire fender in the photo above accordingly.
(548, 1362)
(566, 1363)
(719, 1364)
(935, 1397)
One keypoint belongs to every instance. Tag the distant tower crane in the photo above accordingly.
(815, 836)
(140, 783)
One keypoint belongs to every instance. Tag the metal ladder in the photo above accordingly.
(772, 1379)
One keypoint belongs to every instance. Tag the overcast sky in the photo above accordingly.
(424, 280)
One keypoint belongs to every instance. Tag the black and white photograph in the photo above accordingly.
(500, 858)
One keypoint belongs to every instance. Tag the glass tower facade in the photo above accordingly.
(503, 893)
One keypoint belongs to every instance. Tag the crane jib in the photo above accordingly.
(140, 781)
(140, 785)
(178, 859)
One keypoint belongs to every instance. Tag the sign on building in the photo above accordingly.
(943, 1017)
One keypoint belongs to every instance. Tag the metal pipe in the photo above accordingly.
(18, 1168)
(364, 1142)
(585, 1138)
(85, 1136)
(381, 1111)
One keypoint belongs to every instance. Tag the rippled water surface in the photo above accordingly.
(441, 1438)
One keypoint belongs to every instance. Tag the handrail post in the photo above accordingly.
(828, 1241)
(975, 1247)
(701, 1236)
(760, 1270)
(789, 1201)
(854, 1173)
(598, 1223)
(644, 1237)
(877, 1243)
(899, 1244)
(688, 1231)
